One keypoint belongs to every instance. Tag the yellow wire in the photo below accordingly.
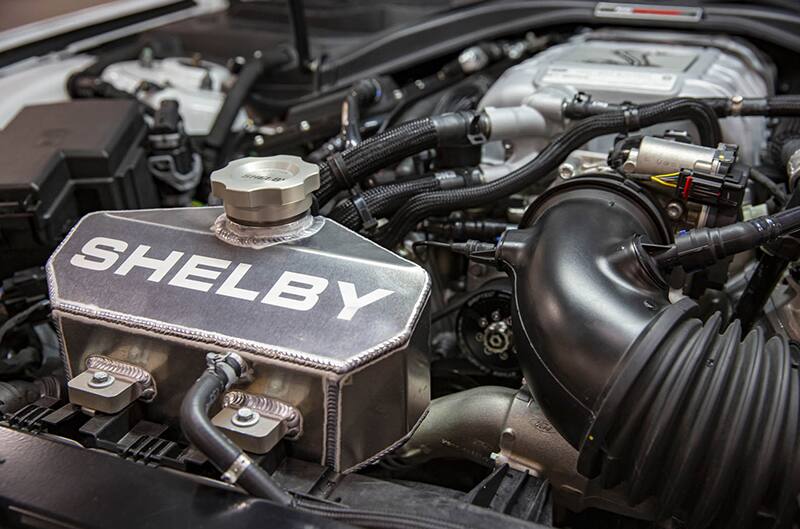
(659, 179)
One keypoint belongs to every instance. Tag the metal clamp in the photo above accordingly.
(257, 423)
(114, 369)
(236, 469)
(737, 102)
(228, 363)
(268, 407)
(109, 385)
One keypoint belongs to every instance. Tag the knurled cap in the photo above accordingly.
(263, 191)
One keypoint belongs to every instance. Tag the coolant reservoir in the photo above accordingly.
(334, 326)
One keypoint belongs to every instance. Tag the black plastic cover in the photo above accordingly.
(60, 161)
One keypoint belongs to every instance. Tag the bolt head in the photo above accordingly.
(674, 210)
(244, 413)
(566, 170)
(101, 379)
(245, 417)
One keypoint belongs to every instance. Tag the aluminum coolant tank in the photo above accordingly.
(331, 323)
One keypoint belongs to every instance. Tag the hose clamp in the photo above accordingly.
(736, 104)
(343, 180)
(231, 364)
(630, 114)
(237, 468)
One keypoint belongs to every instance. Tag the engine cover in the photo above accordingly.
(632, 66)
(331, 323)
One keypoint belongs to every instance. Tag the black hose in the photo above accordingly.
(702, 247)
(362, 94)
(382, 201)
(775, 106)
(770, 269)
(234, 100)
(373, 154)
(770, 185)
(219, 449)
(785, 141)
(87, 83)
(442, 202)
(222, 453)
(697, 111)
(346, 169)
(702, 419)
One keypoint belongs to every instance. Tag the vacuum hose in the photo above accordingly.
(698, 416)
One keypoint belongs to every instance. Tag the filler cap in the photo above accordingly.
(264, 191)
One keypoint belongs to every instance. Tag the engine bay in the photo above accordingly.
(412, 265)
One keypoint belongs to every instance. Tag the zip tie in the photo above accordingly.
(368, 222)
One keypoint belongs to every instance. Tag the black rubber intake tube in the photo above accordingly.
(346, 169)
(693, 414)
(219, 449)
(443, 202)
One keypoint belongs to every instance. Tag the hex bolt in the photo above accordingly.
(245, 417)
(674, 210)
(566, 170)
(101, 379)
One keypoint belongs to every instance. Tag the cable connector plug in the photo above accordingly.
(702, 247)
(478, 251)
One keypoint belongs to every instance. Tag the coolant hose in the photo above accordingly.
(698, 416)
(443, 202)
(220, 450)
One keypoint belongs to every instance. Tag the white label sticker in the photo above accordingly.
(596, 77)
